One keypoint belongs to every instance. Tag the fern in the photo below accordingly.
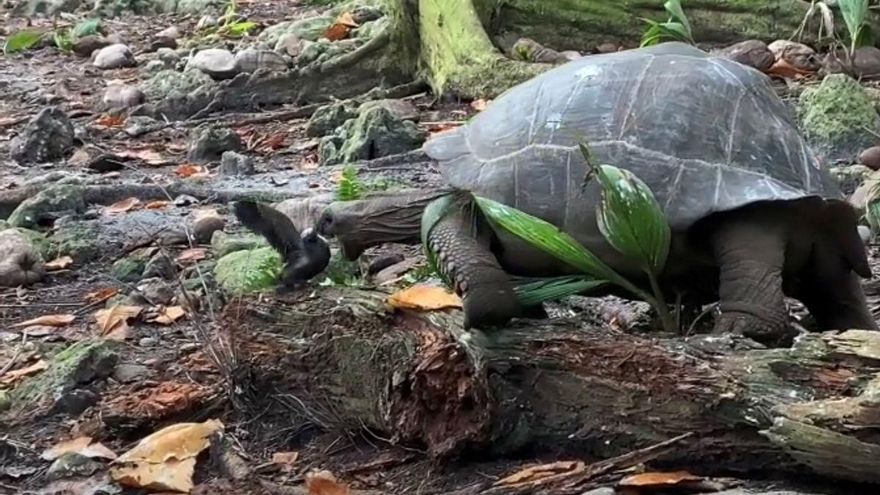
(350, 186)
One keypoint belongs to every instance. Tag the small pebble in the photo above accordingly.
(114, 56)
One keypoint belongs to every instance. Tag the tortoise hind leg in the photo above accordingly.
(488, 298)
(838, 302)
(750, 253)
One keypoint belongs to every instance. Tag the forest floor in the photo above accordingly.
(164, 373)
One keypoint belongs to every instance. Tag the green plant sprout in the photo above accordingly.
(349, 187)
(855, 16)
(677, 27)
(628, 216)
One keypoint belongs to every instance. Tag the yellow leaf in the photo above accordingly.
(178, 441)
(324, 483)
(425, 298)
(59, 320)
(123, 206)
(58, 263)
(117, 316)
(82, 446)
(169, 315)
(173, 475)
(100, 295)
(156, 205)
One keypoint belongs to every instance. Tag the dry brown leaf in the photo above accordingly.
(80, 445)
(156, 205)
(189, 170)
(177, 441)
(13, 376)
(58, 264)
(123, 206)
(658, 479)
(337, 32)
(148, 156)
(425, 298)
(172, 475)
(346, 19)
(535, 473)
(115, 318)
(285, 460)
(324, 483)
(191, 254)
(101, 295)
(110, 120)
(169, 315)
(58, 320)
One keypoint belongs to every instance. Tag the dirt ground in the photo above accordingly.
(171, 378)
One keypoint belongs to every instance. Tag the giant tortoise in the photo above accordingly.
(753, 215)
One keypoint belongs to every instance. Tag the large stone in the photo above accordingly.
(48, 204)
(208, 144)
(122, 96)
(115, 56)
(48, 136)
(247, 271)
(175, 94)
(328, 118)
(373, 134)
(236, 164)
(215, 62)
(21, 263)
(86, 45)
(838, 118)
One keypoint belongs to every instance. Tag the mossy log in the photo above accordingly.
(566, 387)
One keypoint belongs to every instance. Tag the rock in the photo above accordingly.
(865, 63)
(47, 205)
(206, 21)
(753, 53)
(796, 54)
(208, 143)
(85, 46)
(82, 362)
(362, 14)
(122, 96)
(178, 95)
(251, 59)
(75, 402)
(155, 291)
(168, 56)
(570, 55)
(115, 56)
(73, 464)
(21, 263)
(148, 341)
(329, 117)
(162, 42)
(169, 32)
(48, 136)
(128, 373)
(601, 491)
(223, 243)
(399, 109)
(290, 45)
(215, 62)
(310, 28)
(205, 225)
(160, 266)
(871, 158)
(607, 48)
(79, 241)
(233, 163)
(246, 271)
(185, 200)
(138, 125)
(373, 134)
(837, 117)
(154, 67)
(849, 177)
(131, 267)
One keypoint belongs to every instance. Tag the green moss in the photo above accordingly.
(247, 271)
(837, 116)
(128, 269)
(54, 200)
(76, 240)
(78, 363)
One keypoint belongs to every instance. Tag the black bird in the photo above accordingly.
(305, 255)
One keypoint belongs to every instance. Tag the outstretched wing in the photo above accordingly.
(275, 226)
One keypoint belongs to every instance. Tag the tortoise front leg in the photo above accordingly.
(488, 298)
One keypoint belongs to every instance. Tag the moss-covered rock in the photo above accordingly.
(77, 240)
(837, 117)
(39, 241)
(179, 94)
(49, 203)
(130, 268)
(328, 117)
(79, 363)
(246, 271)
(375, 133)
(223, 243)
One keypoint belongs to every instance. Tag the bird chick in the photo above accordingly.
(305, 254)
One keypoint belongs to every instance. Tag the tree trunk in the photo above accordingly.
(564, 387)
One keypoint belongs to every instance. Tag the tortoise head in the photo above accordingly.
(361, 224)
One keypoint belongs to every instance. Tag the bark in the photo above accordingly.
(565, 387)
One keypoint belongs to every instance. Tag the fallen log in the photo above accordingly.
(566, 387)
